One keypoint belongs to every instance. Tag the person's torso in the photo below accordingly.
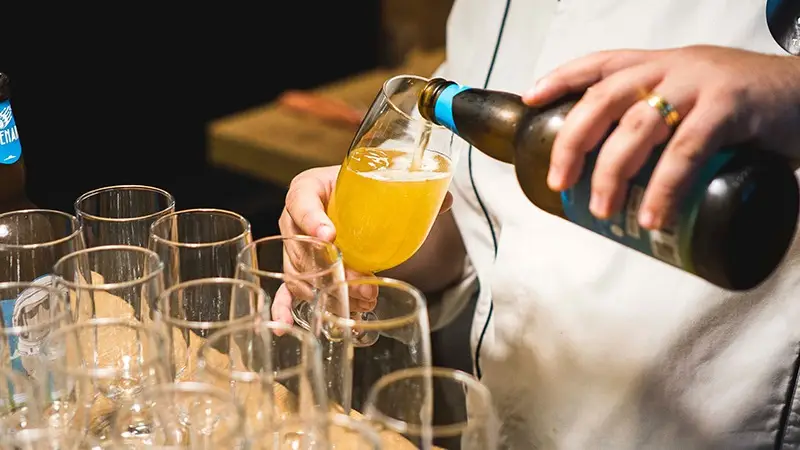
(591, 345)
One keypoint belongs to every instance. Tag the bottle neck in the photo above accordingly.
(436, 102)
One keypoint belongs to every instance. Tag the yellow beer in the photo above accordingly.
(383, 210)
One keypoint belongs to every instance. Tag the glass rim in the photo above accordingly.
(372, 324)
(306, 338)
(164, 297)
(104, 373)
(155, 272)
(76, 226)
(437, 431)
(222, 212)
(253, 246)
(132, 187)
(352, 424)
(53, 290)
(407, 116)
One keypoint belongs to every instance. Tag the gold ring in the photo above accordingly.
(667, 111)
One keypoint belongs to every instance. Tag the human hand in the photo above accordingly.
(723, 95)
(304, 214)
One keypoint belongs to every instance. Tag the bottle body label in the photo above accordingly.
(10, 148)
(670, 244)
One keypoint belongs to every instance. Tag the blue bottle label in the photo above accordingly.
(10, 149)
(670, 244)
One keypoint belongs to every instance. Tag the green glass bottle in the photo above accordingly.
(733, 228)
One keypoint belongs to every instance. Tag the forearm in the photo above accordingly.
(439, 263)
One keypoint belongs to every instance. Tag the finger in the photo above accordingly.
(305, 204)
(447, 203)
(700, 134)
(590, 119)
(282, 306)
(580, 73)
(629, 146)
(363, 296)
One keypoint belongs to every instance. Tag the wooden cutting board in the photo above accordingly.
(275, 143)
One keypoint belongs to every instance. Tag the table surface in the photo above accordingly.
(275, 143)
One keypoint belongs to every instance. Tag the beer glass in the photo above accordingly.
(199, 243)
(121, 214)
(401, 328)
(296, 267)
(392, 182)
(332, 431)
(406, 402)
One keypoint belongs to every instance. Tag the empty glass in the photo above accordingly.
(97, 369)
(333, 431)
(406, 402)
(199, 243)
(121, 215)
(272, 368)
(291, 270)
(402, 328)
(38, 310)
(31, 241)
(192, 311)
(187, 415)
(116, 281)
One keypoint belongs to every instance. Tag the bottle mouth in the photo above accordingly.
(402, 94)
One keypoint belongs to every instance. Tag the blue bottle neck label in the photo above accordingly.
(443, 109)
(10, 149)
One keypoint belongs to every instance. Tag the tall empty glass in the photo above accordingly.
(189, 415)
(121, 214)
(115, 281)
(407, 401)
(272, 368)
(31, 241)
(392, 182)
(294, 268)
(38, 311)
(98, 367)
(199, 243)
(192, 311)
(402, 329)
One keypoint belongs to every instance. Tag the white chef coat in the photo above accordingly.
(585, 344)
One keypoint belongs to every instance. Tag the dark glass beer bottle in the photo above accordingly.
(733, 228)
(12, 172)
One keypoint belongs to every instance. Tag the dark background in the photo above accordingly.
(122, 94)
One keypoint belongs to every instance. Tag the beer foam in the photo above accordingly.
(404, 175)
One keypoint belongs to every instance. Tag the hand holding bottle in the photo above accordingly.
(709, 97)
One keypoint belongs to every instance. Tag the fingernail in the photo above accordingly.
(325, 232)
(598, 206)
(554, 178)
(647, 219)
(366, 291)
(537, 89)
